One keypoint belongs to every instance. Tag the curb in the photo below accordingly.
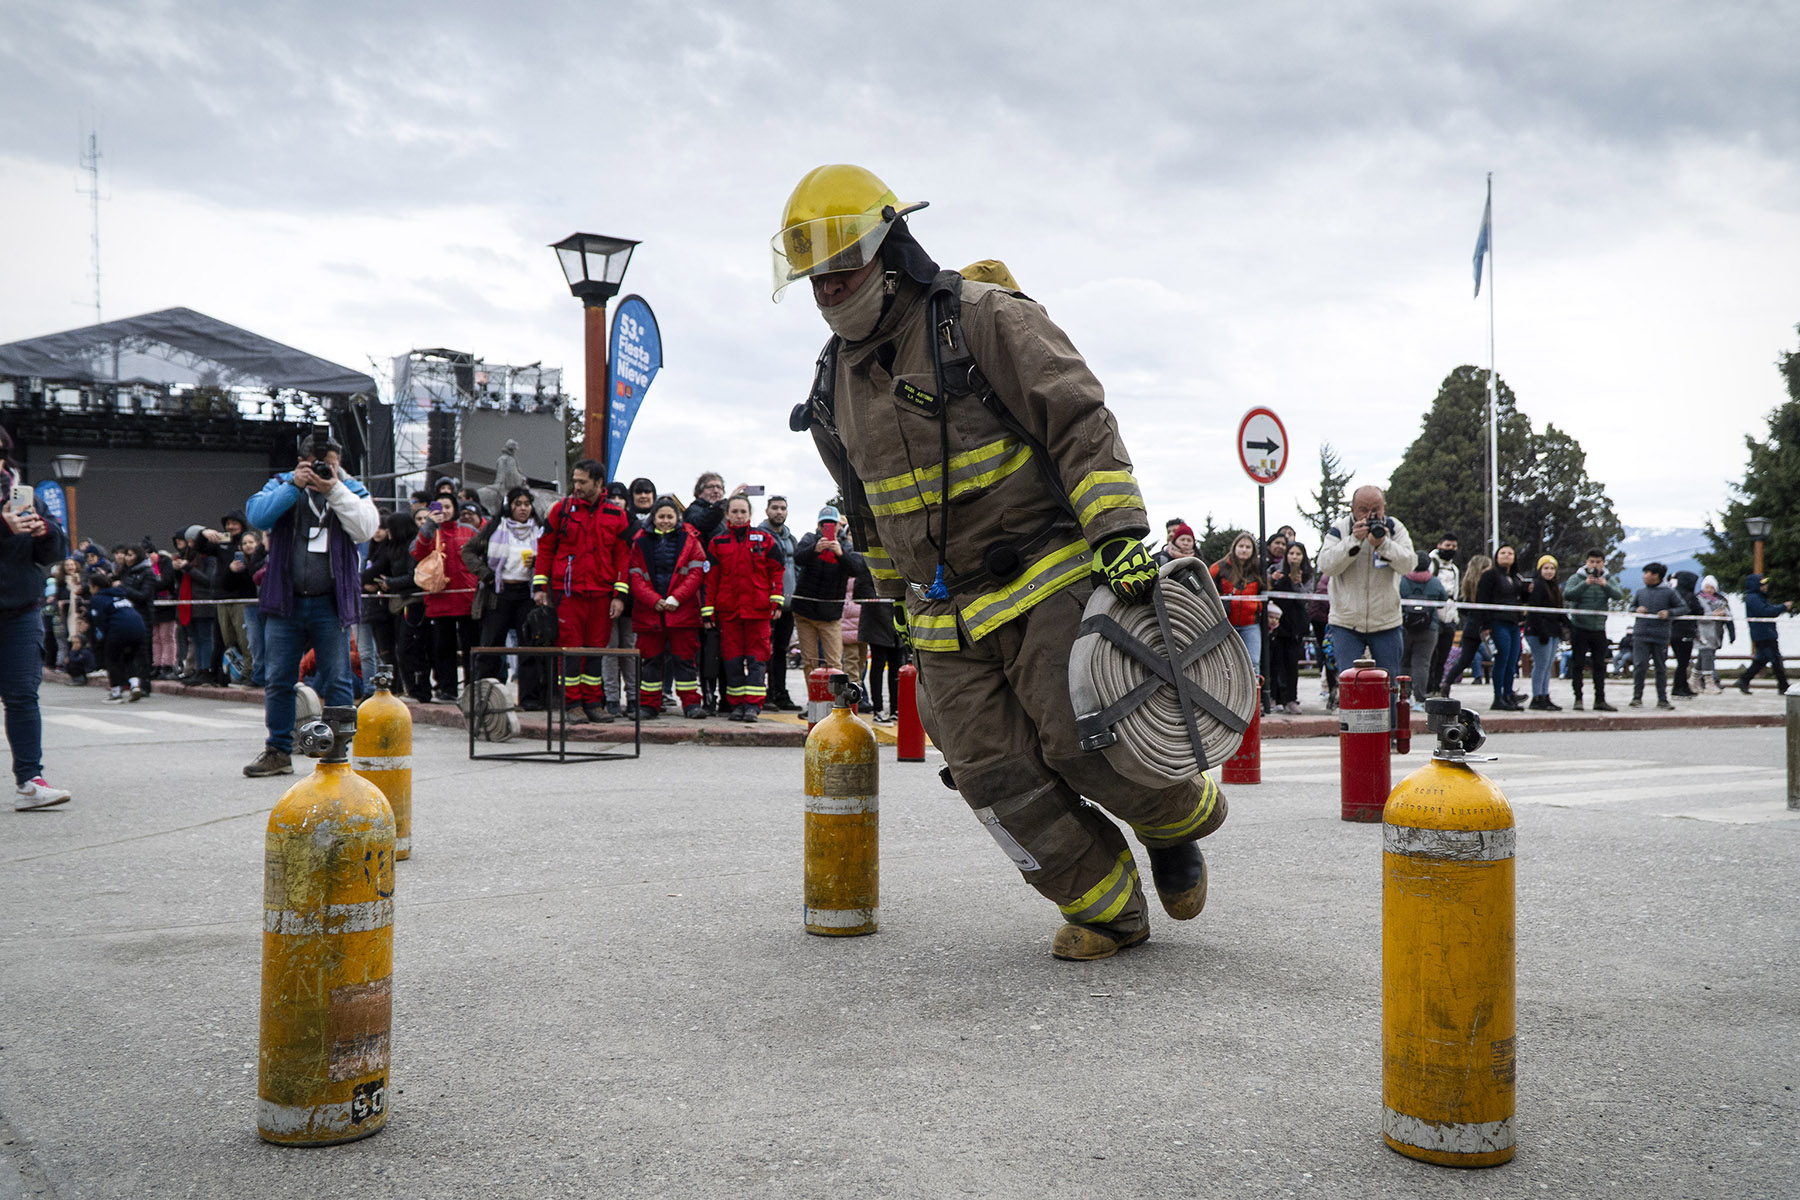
(786, 729)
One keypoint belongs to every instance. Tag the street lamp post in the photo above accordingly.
(68, 468)
(1758, 528)
(595, 267)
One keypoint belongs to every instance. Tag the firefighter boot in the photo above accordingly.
(1081, 943)
(1180, 876)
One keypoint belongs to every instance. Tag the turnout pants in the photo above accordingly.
(744, 645)
(999, 710)
(676, 650)
(584, 620)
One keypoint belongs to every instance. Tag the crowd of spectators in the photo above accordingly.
(445, 575)
(1425, 615)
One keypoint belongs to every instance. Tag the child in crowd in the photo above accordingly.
(667, 568)
(122, 634)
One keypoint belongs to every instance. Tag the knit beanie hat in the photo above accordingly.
(1181, 530)
(1546, 561)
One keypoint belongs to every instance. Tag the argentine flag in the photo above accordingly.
(1481, 239)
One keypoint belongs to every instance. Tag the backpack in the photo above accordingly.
(1414, 618)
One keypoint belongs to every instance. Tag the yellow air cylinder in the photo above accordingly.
(1447, 991)
(328, 951)
(383, 755)
(843, 861)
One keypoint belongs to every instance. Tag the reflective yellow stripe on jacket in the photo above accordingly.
(1043, 578)
(969, 471)
(881, 566)
(1101, 490)
(933, 632)
(1106, 899)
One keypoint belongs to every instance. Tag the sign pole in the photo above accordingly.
(1262, 611)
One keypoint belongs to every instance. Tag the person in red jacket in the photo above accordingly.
(447, 612)
(1240, 573)
(743, 598)
(668, 567)
(580, 567)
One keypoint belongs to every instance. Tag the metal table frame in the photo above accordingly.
(556, 715)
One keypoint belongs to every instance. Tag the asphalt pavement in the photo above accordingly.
(602, 988)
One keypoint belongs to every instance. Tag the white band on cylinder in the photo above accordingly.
(1449, 1137)
(289, 1119)
(1455, 845)
(842, 806)
(337, 918)
(402, 845)
(392, 762)
(840, 918)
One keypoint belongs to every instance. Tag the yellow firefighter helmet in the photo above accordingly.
(835, 220)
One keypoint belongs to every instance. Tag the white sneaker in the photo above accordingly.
(115, 697)
(35, 793)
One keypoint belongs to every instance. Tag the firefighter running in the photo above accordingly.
(580, 563)
(987, 485)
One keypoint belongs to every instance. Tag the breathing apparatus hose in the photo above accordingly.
(1130, 711)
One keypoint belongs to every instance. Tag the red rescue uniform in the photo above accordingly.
(660, 571)
(581, 560)
(743, 591)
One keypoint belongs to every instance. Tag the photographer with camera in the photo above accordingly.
(1588, 596)
(1364, 557)
(311, 589)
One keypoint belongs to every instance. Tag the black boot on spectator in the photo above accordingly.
(694, 712)
(646, 713)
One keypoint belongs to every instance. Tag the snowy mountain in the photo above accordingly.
(1678, 548)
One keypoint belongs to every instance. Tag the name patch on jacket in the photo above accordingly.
(915, 396)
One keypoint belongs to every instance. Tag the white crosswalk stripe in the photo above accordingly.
(93, 724)
(199, 722)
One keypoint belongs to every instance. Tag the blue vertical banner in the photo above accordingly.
(633, 360)
(50, 499)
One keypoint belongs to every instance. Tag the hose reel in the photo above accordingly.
(1164, 689)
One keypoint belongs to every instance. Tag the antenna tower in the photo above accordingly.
(90, 162)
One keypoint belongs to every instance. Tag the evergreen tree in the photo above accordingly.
(1548, 502)
(1560, 510)
(1332, 499)
(1212, 543)
(1770, 488)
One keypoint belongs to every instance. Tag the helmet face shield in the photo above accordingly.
(827, 244)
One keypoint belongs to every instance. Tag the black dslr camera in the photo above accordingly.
(1379, 529)
(321, 446)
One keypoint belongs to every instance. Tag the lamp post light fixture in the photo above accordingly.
(68, 469)
(1758, 528)
(595, 267)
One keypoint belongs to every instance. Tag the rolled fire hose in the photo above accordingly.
(1164, 689)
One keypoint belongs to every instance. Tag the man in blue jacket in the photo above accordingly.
(311, 591)
(1765, 642)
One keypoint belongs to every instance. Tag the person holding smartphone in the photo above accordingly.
(30, 544)
(1588, 596)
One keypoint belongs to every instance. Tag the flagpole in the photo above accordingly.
(1493, 394)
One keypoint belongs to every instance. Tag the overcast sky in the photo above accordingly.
(1224, 205)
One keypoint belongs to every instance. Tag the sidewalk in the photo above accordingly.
(1764, 707)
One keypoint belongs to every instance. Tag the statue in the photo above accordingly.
(507, 476)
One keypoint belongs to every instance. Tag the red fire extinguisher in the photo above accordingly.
(1363, 729)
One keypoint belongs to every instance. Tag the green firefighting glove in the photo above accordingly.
(1127, 567)
(901, 632)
